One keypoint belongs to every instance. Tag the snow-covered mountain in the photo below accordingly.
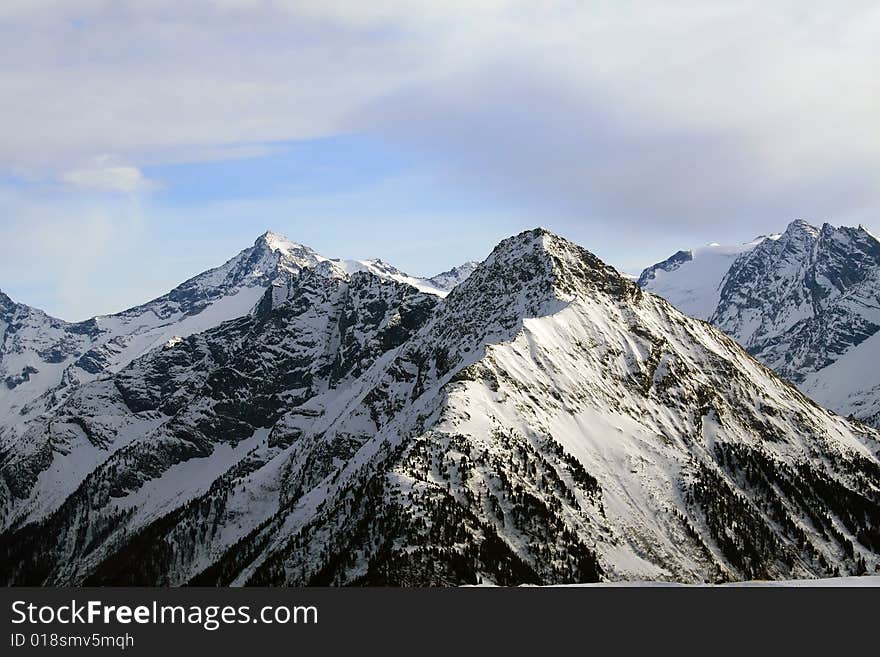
(440, 285)
(545, 422)
(806, 303)
(455, 276)
(43, 358)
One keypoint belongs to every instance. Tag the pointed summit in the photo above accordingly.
(803, 303)
(801, 227)
(539, 255)
(533, 274)
(280, 244)
(5, 301)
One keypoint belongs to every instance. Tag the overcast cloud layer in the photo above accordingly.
(634, 124)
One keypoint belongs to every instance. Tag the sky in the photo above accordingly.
(142, 142)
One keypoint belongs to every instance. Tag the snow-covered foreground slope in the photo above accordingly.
(865, 581)
(546, 422)
(806, 303)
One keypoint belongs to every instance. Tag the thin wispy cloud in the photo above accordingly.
(106, 175)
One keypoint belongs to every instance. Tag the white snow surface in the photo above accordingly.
(865, 581)
(384, 270)
(634, 448)
(694, 287)
(187, 480)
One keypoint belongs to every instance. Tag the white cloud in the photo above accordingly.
(108, 178)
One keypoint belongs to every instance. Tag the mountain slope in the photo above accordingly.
(546, 422)
(806, 304)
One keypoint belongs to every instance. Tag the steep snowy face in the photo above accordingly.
(271, 256)
(809, 278)
(43, 359)
(806, 304)
(546, 422)
(590, 432)
(227, 292)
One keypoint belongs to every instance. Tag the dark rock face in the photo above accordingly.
(803, 302)
(547, 422)
(799, 302)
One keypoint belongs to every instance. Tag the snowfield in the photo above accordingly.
(828, 582)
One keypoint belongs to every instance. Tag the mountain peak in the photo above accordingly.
(539, 254)
(801, 227)
(279, 243)
(527, 244)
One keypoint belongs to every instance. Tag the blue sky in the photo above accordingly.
(142, 142)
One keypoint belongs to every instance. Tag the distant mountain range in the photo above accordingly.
(289, 419)
(805, 302)
(43, 358)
